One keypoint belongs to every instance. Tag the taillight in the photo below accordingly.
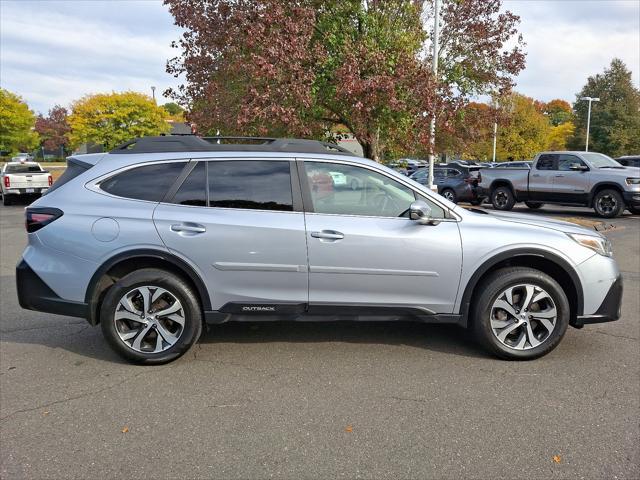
(50, 180)
(38, 217)
(7, 182)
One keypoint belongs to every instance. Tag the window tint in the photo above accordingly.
(193, 190)
(263, 185)
(23, 169)
(149, 182)
(566, 161)
(545, 162)
(358, 191)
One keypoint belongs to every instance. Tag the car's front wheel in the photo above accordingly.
(520, 313)
(608, 203)
(151, 316)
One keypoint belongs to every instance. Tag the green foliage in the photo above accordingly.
(558, 112)
(16, 124)
(111, 119)
(525, 132)
(615, 119)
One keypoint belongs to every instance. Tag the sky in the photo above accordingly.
(53, 52)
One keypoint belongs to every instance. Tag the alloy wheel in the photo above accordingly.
(501, 199)
(448, 194)
(149, 319)
(523, 316)
(607, 204)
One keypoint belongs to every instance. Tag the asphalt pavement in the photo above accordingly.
(325, 400)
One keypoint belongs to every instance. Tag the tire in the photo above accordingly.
(450, 195)
(534, 205)
(6, 200)
(489, 320)
(145, 346)
(608, 203)
(476, 202)
(502, 198)
(634, 210)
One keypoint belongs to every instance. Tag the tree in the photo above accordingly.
(109, 119)
(615, 119)
(175, 111)
(54, 129)
(558, 111)
(16, 124)
(301, 67)
(526, 130)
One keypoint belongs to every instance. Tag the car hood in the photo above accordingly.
(623, 172)
(535, 220)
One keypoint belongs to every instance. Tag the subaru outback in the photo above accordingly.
(165, 234)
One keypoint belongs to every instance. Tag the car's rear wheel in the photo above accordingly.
(6, 199)
(502, 198)
(520, 313)
(450, 195)
(608, 203)
(151, 316)
(534, 205)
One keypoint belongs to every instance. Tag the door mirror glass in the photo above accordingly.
(579, 167)
(421, 212)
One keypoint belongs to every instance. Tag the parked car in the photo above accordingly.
(162, 234)
(587, 179)
(414, 165)
(455, 183)
(629, 161)
(23, 179)
(22, 157)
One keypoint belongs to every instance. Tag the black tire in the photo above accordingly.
(476, 202)
(492, 287)
(634, 210)
(608, 203)
(6, 200)
(450, 195)
(502, 198)
(175, 286)
(534, 205)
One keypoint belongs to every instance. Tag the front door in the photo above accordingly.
(236, 222)
(365, 251)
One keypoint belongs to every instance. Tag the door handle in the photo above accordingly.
(559, 176)
(328, 235)
(535, 175)
(188, 228)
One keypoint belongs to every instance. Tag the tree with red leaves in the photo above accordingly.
(54, 129)
(310, 67)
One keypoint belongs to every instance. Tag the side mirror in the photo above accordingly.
(420, 212)
(579, 167)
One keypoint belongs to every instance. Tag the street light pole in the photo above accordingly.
(589, 99)
(432, 137)
(153, 93)
(495, 135)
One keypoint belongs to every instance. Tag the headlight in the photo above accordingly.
(598, 244)
(633, 181)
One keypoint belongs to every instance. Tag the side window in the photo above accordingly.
(193, 190)
(250, 184)
(566, 161)
(546, 162)
(452, 172)
(149, 182)
(363, 192)
(439, 173)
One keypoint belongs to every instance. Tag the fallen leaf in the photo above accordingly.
(125, 430)
(349, 429)
(46, 412)
(557, 458)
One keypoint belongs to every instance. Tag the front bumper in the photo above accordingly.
(34, 294)
(631, 199)
(609, 309)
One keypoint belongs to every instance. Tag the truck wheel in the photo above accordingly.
(6, 200)
(502, 198)
(151, 316)
(449, 195)
(608, 203)
(534, 205)
(520, 313)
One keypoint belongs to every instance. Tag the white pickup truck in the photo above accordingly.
(23, 178)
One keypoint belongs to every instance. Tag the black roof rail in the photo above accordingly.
(192, 143)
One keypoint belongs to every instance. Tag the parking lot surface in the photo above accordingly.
(304, 400)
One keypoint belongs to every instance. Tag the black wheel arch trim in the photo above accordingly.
(469, 289)
(602, 185)
(176, 261)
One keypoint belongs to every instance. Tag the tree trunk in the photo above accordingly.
(370, 150)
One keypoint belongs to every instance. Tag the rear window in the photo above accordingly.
(261, 185)
(149, 182)
(23, 169)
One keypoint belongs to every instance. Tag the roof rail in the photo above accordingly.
(192, 143)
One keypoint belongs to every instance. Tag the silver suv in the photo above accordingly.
(163, 234)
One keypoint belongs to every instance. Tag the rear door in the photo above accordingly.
(542, 176)
(569, 185)
(240, 224)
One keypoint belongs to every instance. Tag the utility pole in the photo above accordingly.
(432, 137)
(495, 136)
(589, 99)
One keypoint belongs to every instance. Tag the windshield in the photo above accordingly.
(23, 168)
(599, 160)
